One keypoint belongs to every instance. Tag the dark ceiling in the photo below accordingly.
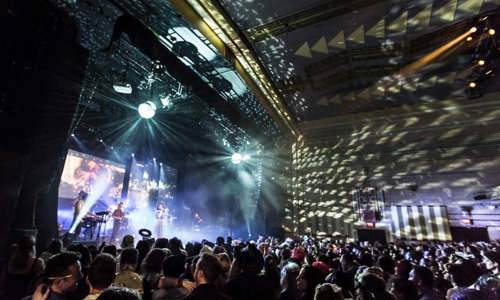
(333, 58)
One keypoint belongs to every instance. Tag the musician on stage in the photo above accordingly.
(161, 214)
(77, 207)
(118, 216)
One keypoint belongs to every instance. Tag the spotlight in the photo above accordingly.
(101, 141)
(132, 154)
(473, 29)
(165, 101)
(472, 84)
(481, 62)
(122, 87)
(73, 135)
(236, 158)
(491, 31)
(147, 109)
(468, 39)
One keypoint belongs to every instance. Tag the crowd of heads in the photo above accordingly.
(294, 269)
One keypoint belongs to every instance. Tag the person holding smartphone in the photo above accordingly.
(62, 273)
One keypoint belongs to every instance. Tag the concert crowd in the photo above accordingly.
(300, 269)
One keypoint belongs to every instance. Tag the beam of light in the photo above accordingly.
(102, 183)
(427, 59)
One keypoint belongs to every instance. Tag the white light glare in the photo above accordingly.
(236, 158)
(147, 109)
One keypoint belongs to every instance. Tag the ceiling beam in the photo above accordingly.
(320, 12)
(210, 19)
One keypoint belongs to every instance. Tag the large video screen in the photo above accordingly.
(167, 184)
(83, 172)
(101, 179)
(143, 185)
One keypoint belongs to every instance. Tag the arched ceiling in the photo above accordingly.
(336, 58)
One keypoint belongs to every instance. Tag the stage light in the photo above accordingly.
(101, 141)
(236, 158)
(473, 29)
(165, 101)
(147, 109)
(491, 31)
(469, 38)
(73, 135)
(246, 157)
(472, 84)
(132, 154)
(481, 62)
(122, 87)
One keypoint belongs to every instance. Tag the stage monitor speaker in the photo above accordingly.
(372, 235)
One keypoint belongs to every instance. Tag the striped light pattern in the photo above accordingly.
(422, 222)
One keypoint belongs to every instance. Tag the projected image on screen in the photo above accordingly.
(143, 185)
(167, 184)
(83, 172)
(150, 183)
(101, 179)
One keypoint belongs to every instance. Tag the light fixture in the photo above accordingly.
(472, 84)
(165, 101)
(468, 39)
(73, 135)
(236, 158)
(147, 109)
(473, 29)
(122, 87)
(491, 31)
(481, 62)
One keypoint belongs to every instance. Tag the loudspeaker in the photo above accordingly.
(372, 235)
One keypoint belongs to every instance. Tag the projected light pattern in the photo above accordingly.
(439, 154)
(328, 58)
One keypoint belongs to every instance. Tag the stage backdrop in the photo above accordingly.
(420, 222)
(101, 179)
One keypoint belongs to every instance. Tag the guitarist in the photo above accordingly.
(118, 216)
